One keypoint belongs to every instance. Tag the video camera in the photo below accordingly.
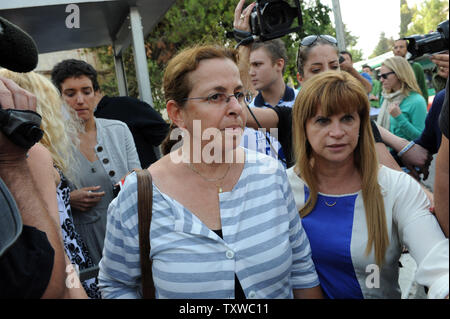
(22, 127)
(271, 19)
(434, 42)
(18, 53)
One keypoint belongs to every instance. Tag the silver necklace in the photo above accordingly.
(218, 186)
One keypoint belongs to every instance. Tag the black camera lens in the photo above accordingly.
(278, 15)
(434, 42)
(272, 19)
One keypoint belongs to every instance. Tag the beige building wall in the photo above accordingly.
(48, 60)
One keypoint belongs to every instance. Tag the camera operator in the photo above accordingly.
(400, 49)
(32, 261)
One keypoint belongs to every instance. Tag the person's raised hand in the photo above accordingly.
(347, 64)
(242, 16)
(417, 156)
(394, 109)
(441, 60)
(13, 97)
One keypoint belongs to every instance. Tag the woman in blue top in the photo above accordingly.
(358, 214)
(403, 109)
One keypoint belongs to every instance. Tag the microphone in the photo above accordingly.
(18, 51)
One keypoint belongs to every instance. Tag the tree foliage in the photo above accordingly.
(427, 16)
(406, 15)
(351, 41)
(190, 22)
(415, 20)
(384, 45)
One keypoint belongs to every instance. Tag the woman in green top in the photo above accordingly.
(403, 108)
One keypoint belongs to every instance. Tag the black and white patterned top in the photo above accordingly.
(74, 246)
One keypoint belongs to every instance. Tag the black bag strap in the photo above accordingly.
(145, 206)
(10, 219)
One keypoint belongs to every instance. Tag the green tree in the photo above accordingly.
(427, 17)
(351, 41)
(190, 22)
(406, 15)
(384, 45)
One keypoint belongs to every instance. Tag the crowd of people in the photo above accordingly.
(262, 190)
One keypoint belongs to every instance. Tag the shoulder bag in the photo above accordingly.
(145, 206)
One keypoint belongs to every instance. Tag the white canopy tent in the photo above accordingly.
(57, 25)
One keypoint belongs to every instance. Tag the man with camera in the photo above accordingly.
(32, 258)
(400, 49)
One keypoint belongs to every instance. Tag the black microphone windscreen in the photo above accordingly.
(18, 51)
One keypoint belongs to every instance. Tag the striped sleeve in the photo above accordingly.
(119, 275)
(303, 270)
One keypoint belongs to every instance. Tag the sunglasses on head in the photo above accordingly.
(311, 39)
(385, 75)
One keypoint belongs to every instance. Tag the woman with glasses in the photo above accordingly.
(358, 214)
(224, 220)
(403, 108)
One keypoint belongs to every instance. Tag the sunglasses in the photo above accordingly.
(311, 39)
(385, 75)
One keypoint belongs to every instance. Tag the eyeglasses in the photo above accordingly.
(311, 39)
(385, 75)
(222, 98)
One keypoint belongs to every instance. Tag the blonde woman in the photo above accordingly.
(403, 109)
(52, 161)
(358, 214)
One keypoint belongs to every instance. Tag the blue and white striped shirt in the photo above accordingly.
(256, 140)
(263, 242)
